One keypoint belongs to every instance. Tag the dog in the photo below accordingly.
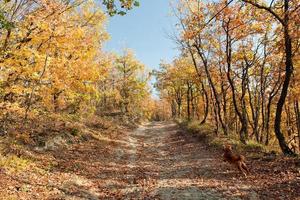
(237, 160)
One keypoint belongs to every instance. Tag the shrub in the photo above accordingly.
(14, 163)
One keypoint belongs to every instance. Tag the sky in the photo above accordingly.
(145, 30)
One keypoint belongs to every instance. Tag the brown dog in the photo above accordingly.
(237, 160)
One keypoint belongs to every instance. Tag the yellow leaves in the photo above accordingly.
(10, 112)
(51, 5)
(13, 163)
(295, 89)
(71, 39)
(125, 87)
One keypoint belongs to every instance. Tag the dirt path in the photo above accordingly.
(162, 163)
(156, 161)
(164, 166)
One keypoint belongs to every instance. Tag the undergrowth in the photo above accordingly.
(206, 132)
(13, 163)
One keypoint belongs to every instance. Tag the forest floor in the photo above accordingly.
(155, 161)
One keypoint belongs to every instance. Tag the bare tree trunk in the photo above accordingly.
(216, 96)
(29, 100)
(206, 104)
(241, 115)
(188, 101)
(215, 112)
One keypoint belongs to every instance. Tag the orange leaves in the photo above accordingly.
(71, 38)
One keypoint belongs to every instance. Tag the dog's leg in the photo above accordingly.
(240, 167)
(245, 167)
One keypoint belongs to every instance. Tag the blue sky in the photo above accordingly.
(144, 29)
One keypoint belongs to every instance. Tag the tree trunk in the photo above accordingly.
(241, 116)
(206, 109)
(268, 119)
(188, 101)
(297, 113)
(216, 96)
(288, 73)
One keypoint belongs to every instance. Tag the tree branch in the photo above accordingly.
(267, 9)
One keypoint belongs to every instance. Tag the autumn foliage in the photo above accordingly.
(52, 64)
(238, 69)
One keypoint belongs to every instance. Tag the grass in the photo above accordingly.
(206, 133)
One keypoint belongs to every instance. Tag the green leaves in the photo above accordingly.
(4, 23)
(119, 7)
(122, 13)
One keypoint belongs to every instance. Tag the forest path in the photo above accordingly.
(165, 163)
(162, 164)
(155, 161)
(165, 166)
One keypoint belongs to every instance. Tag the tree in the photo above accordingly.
(235, 46)
(125, 89)
(288, 12)
(53, 59)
